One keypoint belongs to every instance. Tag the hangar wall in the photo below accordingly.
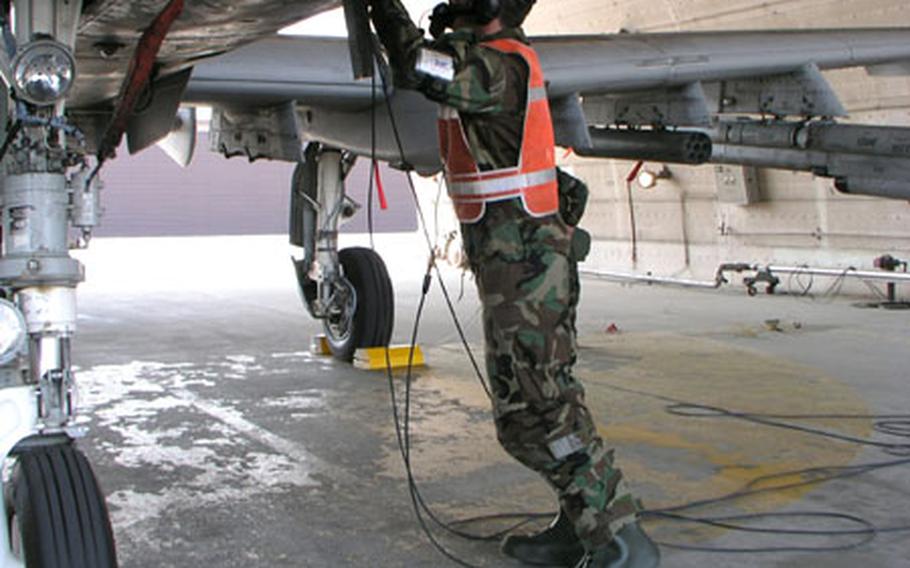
(148, 195)
(682, 227)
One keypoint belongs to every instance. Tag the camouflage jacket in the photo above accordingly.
(489, 89)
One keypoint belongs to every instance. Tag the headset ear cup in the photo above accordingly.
(494, 8)
(486, 10)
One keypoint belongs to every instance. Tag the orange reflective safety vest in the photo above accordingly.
(533, 179)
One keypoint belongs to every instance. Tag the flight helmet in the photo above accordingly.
(480, 11)
(513, 12)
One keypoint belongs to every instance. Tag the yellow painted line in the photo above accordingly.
(669, 459)
(732, 470)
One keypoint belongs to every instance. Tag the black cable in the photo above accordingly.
(875, 290)
(806, 289)
(868, 532)
(403, 430)
(899, 421)
(812, 475)
(892, 424)
(837, 285)
(372, 172)
(403, 434)
(445, 292)
(416, 495)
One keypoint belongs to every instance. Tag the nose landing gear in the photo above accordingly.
(54, 515)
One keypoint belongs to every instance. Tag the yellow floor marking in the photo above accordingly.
(673, 459)
(667, 459)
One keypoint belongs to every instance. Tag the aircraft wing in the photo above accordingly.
(761, 88)
(280, 69)
(312, 69)
(627, 62)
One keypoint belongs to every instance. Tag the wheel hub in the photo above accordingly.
(343, 306)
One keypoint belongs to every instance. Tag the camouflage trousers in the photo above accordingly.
(528, 285)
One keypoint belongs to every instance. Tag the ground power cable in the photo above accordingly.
(424, 226)
(372, 173)
(402, 426)
(898, 425)
(404, 437)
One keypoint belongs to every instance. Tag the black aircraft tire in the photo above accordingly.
(374, 314)
(59, 511)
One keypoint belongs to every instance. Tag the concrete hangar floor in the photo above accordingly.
(221, 441)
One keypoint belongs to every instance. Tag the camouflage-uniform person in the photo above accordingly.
(527, 280)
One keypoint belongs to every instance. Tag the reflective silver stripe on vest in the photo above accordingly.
(493, 187)
(483, 176)
(537, 94)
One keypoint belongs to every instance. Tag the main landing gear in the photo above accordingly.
(349, 290)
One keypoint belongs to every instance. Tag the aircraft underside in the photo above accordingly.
(109, 30)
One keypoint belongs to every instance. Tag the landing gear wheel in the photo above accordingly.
(367, 315)
(58, 516)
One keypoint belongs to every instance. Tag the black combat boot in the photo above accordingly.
(556, 545)
(631, 548)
